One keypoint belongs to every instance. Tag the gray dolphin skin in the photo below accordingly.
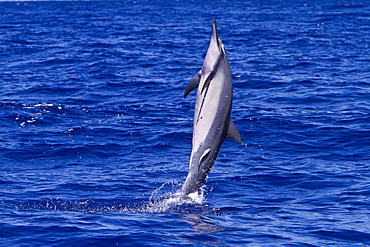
(212, 121)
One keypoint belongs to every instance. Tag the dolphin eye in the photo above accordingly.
(204, 155)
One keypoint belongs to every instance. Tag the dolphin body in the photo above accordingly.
(212, 121)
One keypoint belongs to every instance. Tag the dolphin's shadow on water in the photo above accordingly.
(164, 200)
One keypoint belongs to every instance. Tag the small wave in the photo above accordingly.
(165, 199)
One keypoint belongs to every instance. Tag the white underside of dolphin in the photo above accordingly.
(212, 121)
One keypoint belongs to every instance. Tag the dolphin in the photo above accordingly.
(212, 121)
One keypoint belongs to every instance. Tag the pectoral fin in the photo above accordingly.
(233, 132)
(193, 83)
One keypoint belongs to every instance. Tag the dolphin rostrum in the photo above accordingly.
(212, 121)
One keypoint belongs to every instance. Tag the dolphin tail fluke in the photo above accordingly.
(193, 83)
(233, 132)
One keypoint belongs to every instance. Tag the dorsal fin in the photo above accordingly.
(193, 83)
(233, 132)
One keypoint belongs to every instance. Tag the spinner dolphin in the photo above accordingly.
(212, 121)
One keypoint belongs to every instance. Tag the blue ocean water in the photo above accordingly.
(95, 134)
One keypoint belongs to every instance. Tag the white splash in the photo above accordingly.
(169, 197)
